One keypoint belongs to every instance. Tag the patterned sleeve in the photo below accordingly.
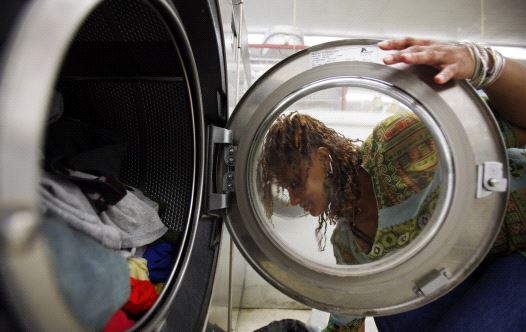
(510, 140)
(352, 325)
(401, 157)
(512, 234)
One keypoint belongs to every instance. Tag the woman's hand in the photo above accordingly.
(454, 61)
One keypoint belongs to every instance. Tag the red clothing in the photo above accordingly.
(119, 322)
(142, 296)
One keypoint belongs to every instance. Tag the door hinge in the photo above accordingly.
(229, 157)
(432, 282)
(220, 198)
(490, 178)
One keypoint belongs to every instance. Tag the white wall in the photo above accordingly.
(493, 21)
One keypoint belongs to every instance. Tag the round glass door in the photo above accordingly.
(400, 178)
(354, 180)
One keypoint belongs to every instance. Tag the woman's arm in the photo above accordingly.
(455, 61)
(508, 93)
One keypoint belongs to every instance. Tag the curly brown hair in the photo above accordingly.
(288, 144)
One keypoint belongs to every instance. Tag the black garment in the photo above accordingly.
(75, 145)
(284, 325)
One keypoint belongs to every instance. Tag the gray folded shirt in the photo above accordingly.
(132, 222)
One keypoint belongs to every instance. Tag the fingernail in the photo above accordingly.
(383, 43)
(440, 78)
(388, 58)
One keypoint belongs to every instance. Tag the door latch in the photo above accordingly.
(490, 178)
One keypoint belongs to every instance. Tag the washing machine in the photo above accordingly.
(156, 73)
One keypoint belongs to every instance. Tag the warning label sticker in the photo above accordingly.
(349, 53)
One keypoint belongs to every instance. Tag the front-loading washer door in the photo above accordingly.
(441, 189)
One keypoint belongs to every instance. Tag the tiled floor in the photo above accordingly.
(249, 320)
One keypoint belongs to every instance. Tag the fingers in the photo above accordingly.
(454, 61)
(446, 74)
(400, 44)
(428, 56)
(416, 55)
(392, 59)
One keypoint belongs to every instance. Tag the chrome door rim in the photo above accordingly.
(353, 294)
(29, 68)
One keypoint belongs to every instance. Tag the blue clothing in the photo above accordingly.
(161, 259)
(492, 298)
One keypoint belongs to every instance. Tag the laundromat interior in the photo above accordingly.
(170, 86)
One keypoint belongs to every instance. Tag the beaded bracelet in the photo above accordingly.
(488, 65)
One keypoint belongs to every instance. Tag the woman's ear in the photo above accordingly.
(322, 153)
(324, 156)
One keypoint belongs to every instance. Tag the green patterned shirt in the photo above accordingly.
(401, 158)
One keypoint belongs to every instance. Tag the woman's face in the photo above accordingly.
(309, 190)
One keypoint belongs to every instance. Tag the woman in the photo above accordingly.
(380, 194)
(362, 187)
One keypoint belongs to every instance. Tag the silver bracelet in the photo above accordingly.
(498, 65)
(473, 51)
(488, 65)
(479, 75)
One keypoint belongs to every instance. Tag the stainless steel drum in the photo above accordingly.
(138, 68)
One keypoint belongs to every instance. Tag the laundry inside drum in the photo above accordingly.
(118, 167)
